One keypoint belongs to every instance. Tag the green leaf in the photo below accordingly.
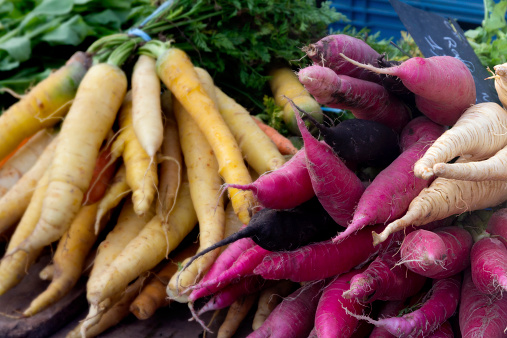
(105, 18)
(53, 7)
(18, 48)
(497, 18)
(72, 32)
(8, 63)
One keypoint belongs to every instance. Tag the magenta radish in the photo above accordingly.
(337, 188)
(389, 195)
(497, 225)
(437, 254)
(284, 188)
(443, 85)
(388, 309)
(331, 318)
(383, 279)
(294, 316)
(439, 305)
(326, 53)
(364, 99)
(489, 265)
(481, 314)
(242, 267)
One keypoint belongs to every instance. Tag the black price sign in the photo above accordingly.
(436, 35)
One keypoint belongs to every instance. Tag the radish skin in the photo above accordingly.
(437, 254)
(497, 225)
(337, 187)
(284, 188)
(396, 186)
(443, 85)
(489, 265)
(366, 100)
(481, 314)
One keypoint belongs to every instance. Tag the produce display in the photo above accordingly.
(143, 167)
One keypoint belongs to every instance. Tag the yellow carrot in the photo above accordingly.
(171, 162)
(205, 185)
(236, 314)
(14, 203)
(113, 196)
(13, 266)
(268, 300)
(68, 260)
(146, 108)
(259, 151)
(177, 72)
(284, 84)
(86, 125)
(146, 250)
(44, 105)
(23, 160)
(153, 295)
(141, 173)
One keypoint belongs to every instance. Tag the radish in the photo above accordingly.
(366, 100)
(383, 279)
(361, 142)
(337, 188)
(284, 188)
(489, 265)
(497, 225)
(294, 316)
(481, 314)
(443, 85)
(393, 188)
(437, 254)
(440, 304)
(331, 318)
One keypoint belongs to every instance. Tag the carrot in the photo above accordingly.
(364, 99)
(205, 186)
(444, 198)
(153, 294)
(19, 146)
(283, 144)
(437, 308)
(332, 317)
(439, 253)
(146, 250)
(68, 261)
(126, 229)
(259, 151)
(269, 299)
(384, 279)
(489, 265)
(102, 173)
(113, 195)
(21, 162)
(285, 84)
(146, 106)
(276, 189)
(44, 105)
(235, 315)
(14, 203)
(118, 311)
(443, 85)
(481, 124)
(481, 314)
(294, 316)
(326, 53)
(141, 170)
(13, 266)
(86, 125)
(177, 72)
(330, 177)
(396, 185)
(171, 161)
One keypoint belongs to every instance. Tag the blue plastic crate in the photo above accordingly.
(379, 15)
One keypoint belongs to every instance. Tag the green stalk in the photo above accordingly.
(121, 54)
(154, 48)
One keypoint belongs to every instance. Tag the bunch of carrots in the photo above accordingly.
(139, 160)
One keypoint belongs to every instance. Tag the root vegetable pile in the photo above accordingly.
(390, 223)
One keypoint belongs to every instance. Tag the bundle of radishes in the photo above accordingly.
(444, 273)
